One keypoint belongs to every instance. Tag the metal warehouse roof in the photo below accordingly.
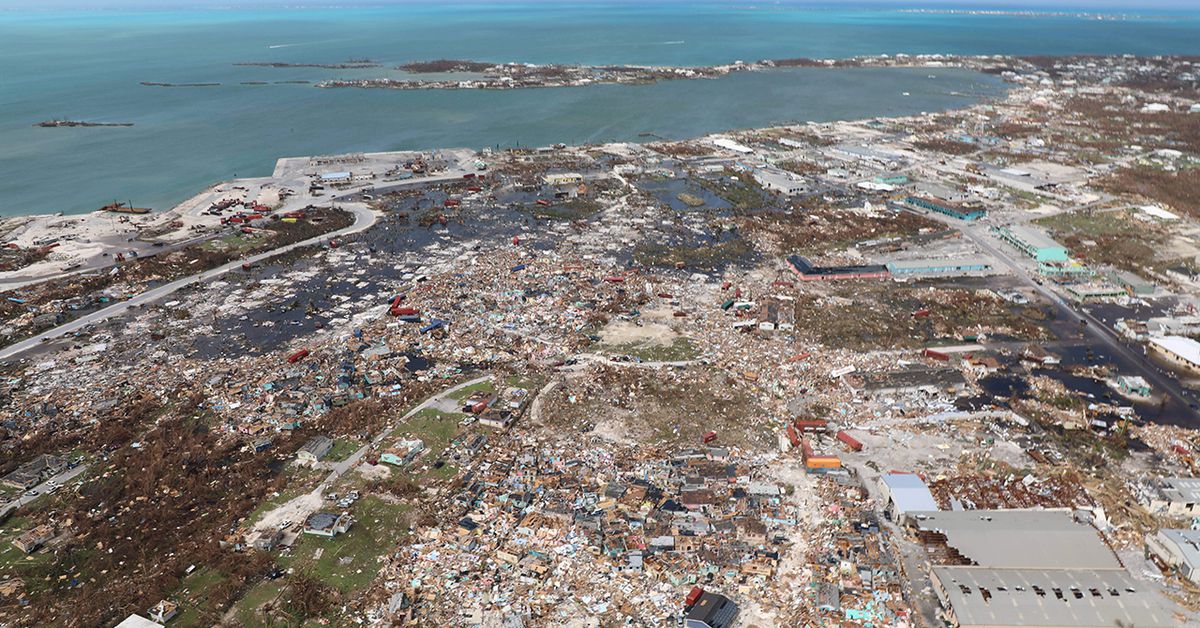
(1186, 348)
(1187, 542)
(1068, 598)
(909, 492)
(1020, 539)
(1033, 237)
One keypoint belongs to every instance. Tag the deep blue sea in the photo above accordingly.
(88, 65)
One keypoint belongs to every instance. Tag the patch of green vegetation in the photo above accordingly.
(193, 598)
(10, 556)
(680, 349)
(1093, 224)
(531, 382)
(573, 209)
(436, 428)
(348, 561)
(467, 391)
(342, 448)
(650, 254)
(744, 193)
(233, 243)
(246, 609)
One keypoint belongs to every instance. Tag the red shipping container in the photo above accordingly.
(850, 441)
(297, 356)
(936, 355)
(710, 437)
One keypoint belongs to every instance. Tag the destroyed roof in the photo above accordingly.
(1020, 539)
(1181, 490)
(1187, 543)
(1091, 598)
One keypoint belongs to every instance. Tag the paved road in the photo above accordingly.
(352, 461)
(1096, 329)
(364, 218)
(23, 498)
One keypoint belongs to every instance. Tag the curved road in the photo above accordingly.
(364, 218)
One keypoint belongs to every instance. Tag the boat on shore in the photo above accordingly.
(124, 208)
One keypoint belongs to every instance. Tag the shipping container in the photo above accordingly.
(793, 436)
(936, 355)
(850, 441)
(822, 463)
(710, 437)
(433, 324)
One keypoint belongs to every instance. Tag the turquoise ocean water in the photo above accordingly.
(88, 65)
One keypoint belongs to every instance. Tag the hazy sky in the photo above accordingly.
(1099, 5)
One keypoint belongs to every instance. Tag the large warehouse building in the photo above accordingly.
(1032, 568)
(954, 210)
(1033, 243)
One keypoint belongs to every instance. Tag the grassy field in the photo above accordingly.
(463, 393)
(246, 609)
(194, 607)
(435, 427)
(679, 350)
(342, 448)
(348, 562)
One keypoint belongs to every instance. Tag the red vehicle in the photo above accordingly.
(516, 240)
(710, 437)
(921, 313)
(543, 202)
(297, 356)
(451, 202)
(246, 266)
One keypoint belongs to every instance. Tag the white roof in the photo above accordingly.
(336, 175)
(1158, 212)
(137, 621)
(1186, 348)
(727, 143)
(909, 492)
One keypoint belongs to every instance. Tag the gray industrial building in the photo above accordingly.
(1032, 568)
(982, 597)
